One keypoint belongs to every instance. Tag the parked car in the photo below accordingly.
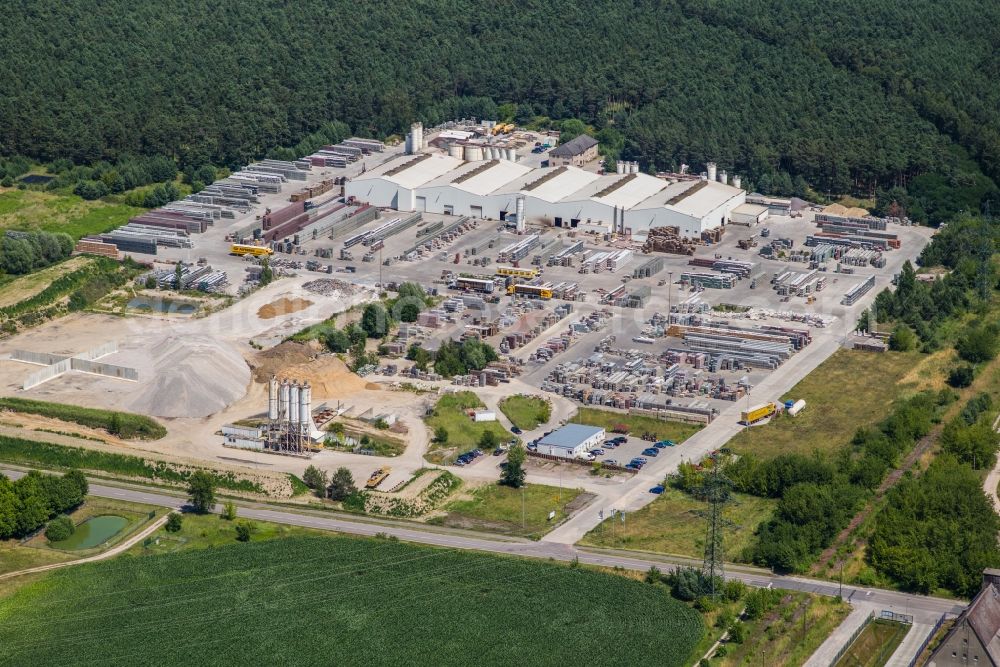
(657, 489)
(610, 462)
(516, 430)
(532, 447)
(621, 440)
(633, 466)
(640, 459)
(651, 451)
(498, 451)
(597, 452)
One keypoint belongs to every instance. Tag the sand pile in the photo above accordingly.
(283, 306)
(191, 377)
(328, 375)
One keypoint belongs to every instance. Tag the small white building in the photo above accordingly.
(571, 441)
(484, 416)
(749, 214)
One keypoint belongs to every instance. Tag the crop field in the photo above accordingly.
(637, 424)
(30, 209)
(526, 412)
(501, 509)
(339, 600)
(841, 396)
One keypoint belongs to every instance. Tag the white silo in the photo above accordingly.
(455, 150)
(737, 182)
(723, 177)
(634, 168)
(408, 144)
(710, 167)
(473, 153)
(620, 167)
(520, 215)
(512, 154)
(272, 399)
(305, 408)
(417, 137)
(293, 406)
(283, 401)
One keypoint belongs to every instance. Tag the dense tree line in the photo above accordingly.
(454, 357)
(861, 97)
(27, 503)
(24, 252)
(818, 495)
(937, 530)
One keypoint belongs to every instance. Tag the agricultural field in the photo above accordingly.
(451, 413)
(31, 209)
(330, 600)
(637, 424)
(840, 397)
(502, 509)
(874, 645)
(526, 412)
(675, 523)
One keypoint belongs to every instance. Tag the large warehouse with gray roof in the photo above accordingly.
(564, 196)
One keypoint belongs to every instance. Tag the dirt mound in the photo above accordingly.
(192, 377)
(283, 306)
(328, 375)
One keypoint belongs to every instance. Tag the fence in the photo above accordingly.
(928, 639)
(849, 642)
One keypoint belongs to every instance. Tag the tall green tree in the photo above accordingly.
(201, 491)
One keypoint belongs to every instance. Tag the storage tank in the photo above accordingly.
(737, 182)
(710, 168)
(520, 215)
(305, 407)
(272, 398)
(408, 144)
(797, 407)
(723, 177)
(512, 154)
(495, 153)
(635, 168)
(473, 153)
(455, 150)
(620, 167)
(293, 403)
(283, 401)
(417, 137)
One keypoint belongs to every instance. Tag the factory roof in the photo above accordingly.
(481, 178)
(570, 436)
(622, 190)
(410, 171)
(694, 198)
(750, 209)
(574, 146)
(551, 183)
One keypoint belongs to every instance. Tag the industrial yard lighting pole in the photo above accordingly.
(524, 523)
(670, 291)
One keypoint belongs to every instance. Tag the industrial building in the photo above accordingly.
(571, 441)
(563, 196)
(576, 152)
(289, 428)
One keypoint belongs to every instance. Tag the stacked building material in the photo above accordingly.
(855, 293)
(667, 239)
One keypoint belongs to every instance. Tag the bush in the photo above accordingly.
(174, 522)
(244, 530)
(902, 339)
(961, 376)
(59, 529)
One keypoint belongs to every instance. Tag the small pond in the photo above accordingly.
(157, 305)
(93, 532)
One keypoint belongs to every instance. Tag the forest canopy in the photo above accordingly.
(853, 96)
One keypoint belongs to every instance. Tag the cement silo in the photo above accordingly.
(455, 150)
(417, 137)
(723, 177)
(293, 407)
(305, 408)
(512, 154)
(620, 167)
(520, 222)
(473, 153)
(283, 401)
(710, 168)
(272, 399)
(737, 182)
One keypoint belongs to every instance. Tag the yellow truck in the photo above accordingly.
(378, 477)
(242, 249)
(757, 413)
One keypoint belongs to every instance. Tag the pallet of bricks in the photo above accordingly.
(667, 239)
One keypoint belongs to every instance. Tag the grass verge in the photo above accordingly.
(500, 509)
(123, 424)
(637, 424)
(526, 412)
(451, 414)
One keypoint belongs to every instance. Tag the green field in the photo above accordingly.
(340, 600)
(30, 209)
(840, 397)
(463, 433)
(874, 645)
(675, 523)
(526, 412)
(14, 289)
(637, 424)
(123, 424)
(498, 508)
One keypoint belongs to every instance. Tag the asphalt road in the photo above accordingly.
(924, 609)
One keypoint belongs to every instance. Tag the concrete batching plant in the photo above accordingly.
(289, 427)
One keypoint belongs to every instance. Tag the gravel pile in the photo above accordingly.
(190, 377)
